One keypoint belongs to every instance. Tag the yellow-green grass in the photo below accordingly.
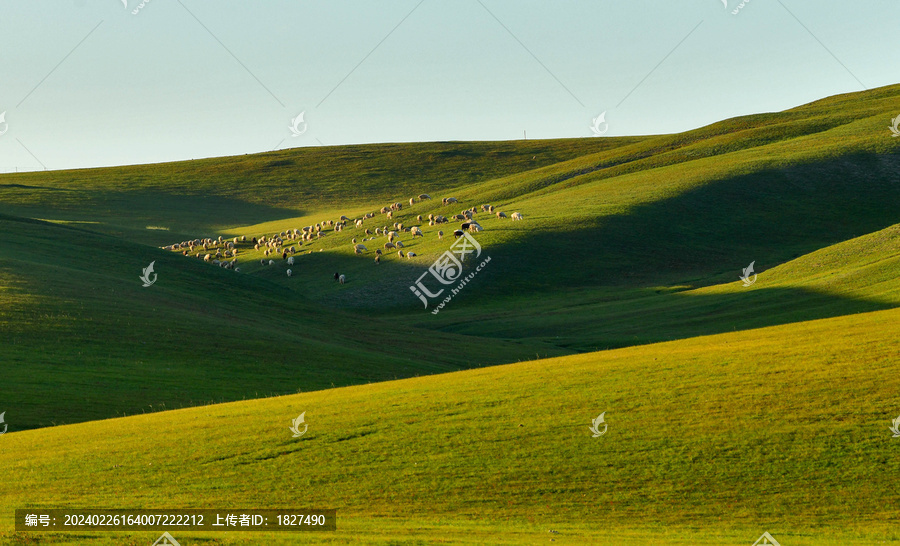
(711, 440)
(625, 241)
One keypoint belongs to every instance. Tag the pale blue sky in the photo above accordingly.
(87, 83)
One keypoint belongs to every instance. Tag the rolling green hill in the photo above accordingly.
(83, 339)
(625, 241)
(711, 440)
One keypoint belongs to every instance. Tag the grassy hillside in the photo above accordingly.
(855, 276)
(83, 339)
(625, 241)
(195, 198)
(711, 440)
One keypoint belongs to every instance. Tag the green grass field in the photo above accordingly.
(732, 410)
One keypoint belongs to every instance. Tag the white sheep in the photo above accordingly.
(517, 216)
(289, 272)
(501, 215)
(271, 262)
(342, 279)
(424, 196)
(290, 261)
(417, 231)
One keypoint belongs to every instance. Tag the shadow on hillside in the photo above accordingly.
(133, 211)
(595, 326)
(769, 217)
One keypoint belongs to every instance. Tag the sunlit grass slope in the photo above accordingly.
(710, 440)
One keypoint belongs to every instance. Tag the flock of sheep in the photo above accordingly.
(223, 252)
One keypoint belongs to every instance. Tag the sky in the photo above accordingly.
(89, 83)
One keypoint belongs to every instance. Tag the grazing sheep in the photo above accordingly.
(359, 223)
(237, 269)
(400, 253)
(460, 217)
(271, 262)
(501, 214)
(262, 262)
(411, 255)
(359, 249)
(378, 252)
(243, 238)
(289, 272)
(411, 201)
(424, 196)
(353, 240)
(419, 218)
(457, 234)
(417, 231)
(389, 245)
(290, 260)
(384, 210)
(207, 258)
(448, 200)
(368, 231)
(344, 218)
(377, 260)
(517, 216)
(391, 236)
(342, 279)
(475, 228)
(399, 244)
(440, 234)
(390, 214)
